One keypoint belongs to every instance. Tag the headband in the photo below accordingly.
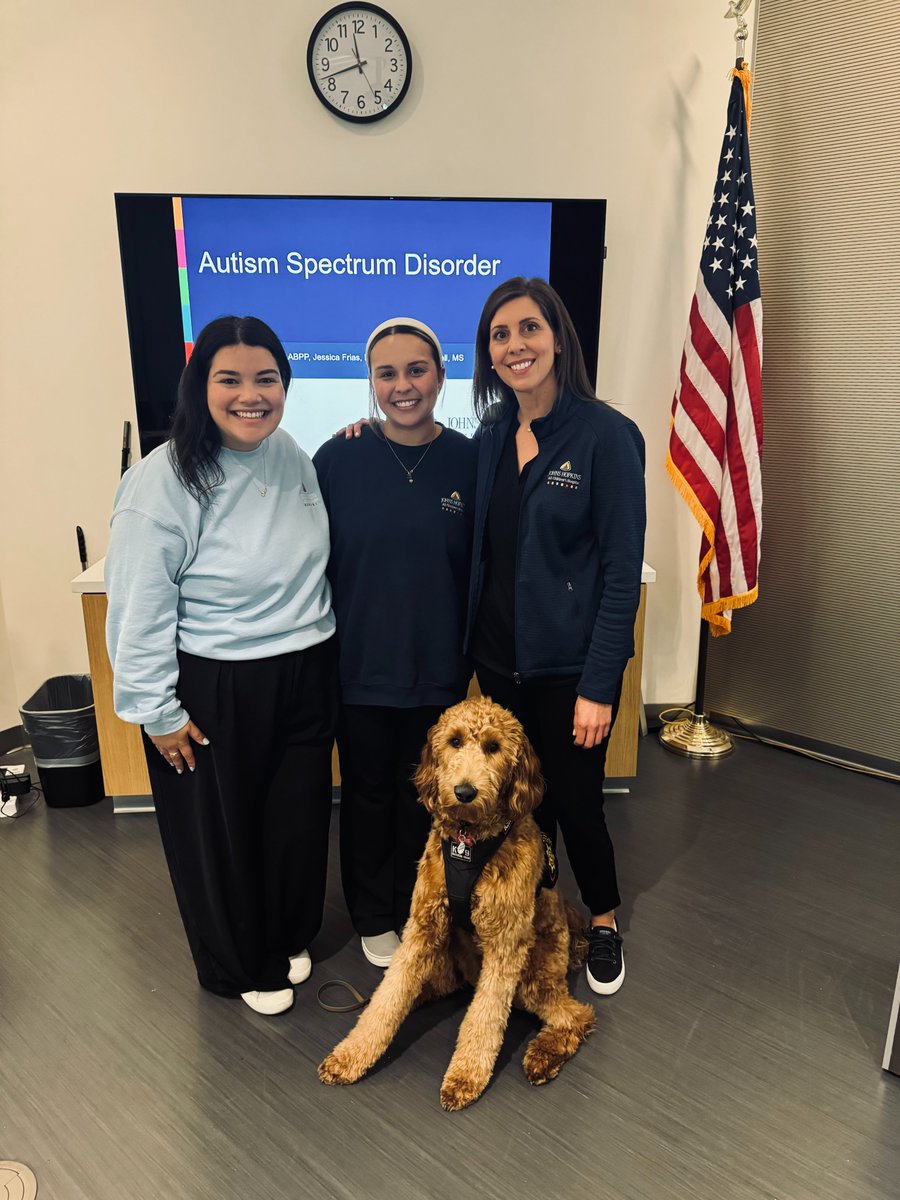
(412, 323)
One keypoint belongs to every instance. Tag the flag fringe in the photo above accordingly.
(689, 496)
(746, 79)
(713, 610)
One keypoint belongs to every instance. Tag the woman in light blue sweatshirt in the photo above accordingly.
(220, 632)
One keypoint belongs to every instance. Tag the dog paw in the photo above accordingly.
(547, 1052)
(340, 1068)
(542, 1064)
(459, 1091)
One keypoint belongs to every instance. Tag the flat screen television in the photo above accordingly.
(323, 271)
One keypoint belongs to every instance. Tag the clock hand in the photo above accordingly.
(356, 52)
(366, 78)
(352, 67)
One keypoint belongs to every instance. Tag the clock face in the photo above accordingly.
(359, 62)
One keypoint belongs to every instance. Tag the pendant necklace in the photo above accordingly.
(264, 490)
(409, 470)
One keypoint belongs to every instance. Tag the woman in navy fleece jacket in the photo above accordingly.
(556, 572)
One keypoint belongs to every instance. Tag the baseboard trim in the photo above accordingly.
(787, 739)
(781, 739)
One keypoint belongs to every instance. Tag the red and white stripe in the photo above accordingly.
(715, 449)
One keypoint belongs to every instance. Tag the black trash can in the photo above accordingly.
(60, 724)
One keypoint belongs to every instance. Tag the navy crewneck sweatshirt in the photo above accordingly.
(399, 565)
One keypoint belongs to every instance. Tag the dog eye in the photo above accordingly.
(491, 747)
(455, 741)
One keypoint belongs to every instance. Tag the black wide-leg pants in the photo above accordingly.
(383, 826)
(573, 778)
(246, 835)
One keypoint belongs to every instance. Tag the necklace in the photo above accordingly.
(409, 470)
(264, 490)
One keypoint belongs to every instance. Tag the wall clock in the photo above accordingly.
(359, 62)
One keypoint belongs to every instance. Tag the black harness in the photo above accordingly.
(465, 859)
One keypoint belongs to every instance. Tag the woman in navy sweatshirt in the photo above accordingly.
(556, 572)
(400, 500)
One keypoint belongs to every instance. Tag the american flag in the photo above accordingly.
(715, 443)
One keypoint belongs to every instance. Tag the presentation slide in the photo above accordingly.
(324, 272)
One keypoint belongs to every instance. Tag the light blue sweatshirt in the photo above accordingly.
(241, 579)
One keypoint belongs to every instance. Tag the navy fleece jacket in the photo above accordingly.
(581, 542)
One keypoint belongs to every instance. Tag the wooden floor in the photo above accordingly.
(740, 1061)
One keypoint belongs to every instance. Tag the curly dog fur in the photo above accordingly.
(525, 939)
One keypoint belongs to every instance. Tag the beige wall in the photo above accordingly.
(585, 98)
(9, 714)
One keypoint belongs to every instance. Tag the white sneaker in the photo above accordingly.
(301, 967)
(269, 1003)
(379, 950)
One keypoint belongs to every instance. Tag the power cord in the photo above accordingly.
(16, 789)
(750, 735)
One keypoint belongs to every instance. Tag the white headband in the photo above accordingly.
(413, 324)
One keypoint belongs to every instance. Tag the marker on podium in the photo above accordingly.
(82, 548)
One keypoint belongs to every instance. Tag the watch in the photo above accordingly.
(359, 62)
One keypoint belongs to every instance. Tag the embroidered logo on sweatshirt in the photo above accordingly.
(564, 477)
(453, 504)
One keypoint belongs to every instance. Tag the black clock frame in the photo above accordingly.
(378, 12)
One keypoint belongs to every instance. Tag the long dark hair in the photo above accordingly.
(195, 440)
(488, 390)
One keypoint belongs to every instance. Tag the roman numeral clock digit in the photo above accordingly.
(359, 62)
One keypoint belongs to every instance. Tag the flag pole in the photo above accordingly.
(695, 736)
(736, 10)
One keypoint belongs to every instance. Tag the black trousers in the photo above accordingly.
(383, 825)
(573, 779)
(246, 835)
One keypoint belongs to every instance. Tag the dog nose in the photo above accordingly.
(465, 793)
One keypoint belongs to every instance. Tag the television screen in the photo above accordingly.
(324, 271)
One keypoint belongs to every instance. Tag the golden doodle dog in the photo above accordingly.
(480, 780)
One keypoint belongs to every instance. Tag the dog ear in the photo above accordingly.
(527, 788)
(426, 776)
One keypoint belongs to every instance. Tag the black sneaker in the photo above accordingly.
(605, 960)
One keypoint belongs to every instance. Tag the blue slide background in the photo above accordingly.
(335, 313)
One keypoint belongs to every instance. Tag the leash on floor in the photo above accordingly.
(359, 1000)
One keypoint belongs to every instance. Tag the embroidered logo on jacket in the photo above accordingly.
(564, 477)
(453, 504)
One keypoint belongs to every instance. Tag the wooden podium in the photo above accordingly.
(125, 776)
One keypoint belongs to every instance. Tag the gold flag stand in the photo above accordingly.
(695, 736)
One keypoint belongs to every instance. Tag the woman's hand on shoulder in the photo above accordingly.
(176, 747)
(591, 722)
(352, 431)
